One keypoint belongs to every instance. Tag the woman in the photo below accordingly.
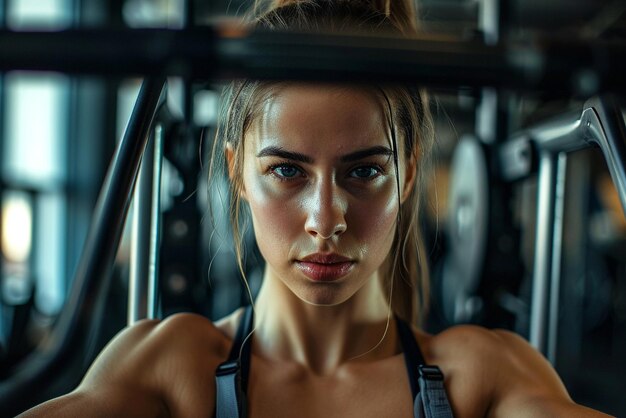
(332, 176)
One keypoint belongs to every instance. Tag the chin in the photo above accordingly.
(323, 294)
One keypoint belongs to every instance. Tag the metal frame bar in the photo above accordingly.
(606, 128)
(96, 262)
(489, 16)
(547, 264)
(600, 123)
(543, 249)
(557, 250)
(145, 239)
(139, 277)
(230, 51)
(155, 226)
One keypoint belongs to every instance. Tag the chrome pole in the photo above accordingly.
(140, 237)
(74, 325)
(543, 249)
(606, 126)
(557, 247)
(145, 238)
(155, 226)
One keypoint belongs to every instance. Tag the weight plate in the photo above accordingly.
(466, 227)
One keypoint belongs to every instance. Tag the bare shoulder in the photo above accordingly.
(153, 368)
(149, 340)
(475, 344)
(502, 369)
(464, 354)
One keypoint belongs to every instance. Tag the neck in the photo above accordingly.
(322, 338)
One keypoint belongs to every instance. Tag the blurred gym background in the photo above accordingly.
(58, 133)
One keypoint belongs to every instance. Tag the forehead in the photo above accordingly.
(320, 116)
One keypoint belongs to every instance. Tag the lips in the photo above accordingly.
(325, 267)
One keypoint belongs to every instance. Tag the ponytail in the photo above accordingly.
(402, 14)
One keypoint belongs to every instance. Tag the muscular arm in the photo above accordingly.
(152, 369)
(120, 401)
(527, 385)
(113, 386)
(497, 374)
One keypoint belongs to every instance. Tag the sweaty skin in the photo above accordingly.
(318, 348)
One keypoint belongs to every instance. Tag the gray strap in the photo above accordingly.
(231, 377)
(418, 407)
(432, 399)
(226, 402)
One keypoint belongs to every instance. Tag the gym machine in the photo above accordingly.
(547, 67)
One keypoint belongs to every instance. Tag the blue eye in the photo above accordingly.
(365, 172)
(285, 171)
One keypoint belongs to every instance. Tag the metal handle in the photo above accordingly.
(602, 123)
(85, 300)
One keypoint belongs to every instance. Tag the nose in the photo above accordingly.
(326, 209)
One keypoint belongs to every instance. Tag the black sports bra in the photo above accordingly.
(429, 394)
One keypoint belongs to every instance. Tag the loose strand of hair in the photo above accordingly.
(388, 319)
(394, 144)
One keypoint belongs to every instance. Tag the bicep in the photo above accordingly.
(546, 406)
(528, 386)
(106, 402)
(116, 384)
(525, 369)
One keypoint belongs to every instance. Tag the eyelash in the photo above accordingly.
(272, 170)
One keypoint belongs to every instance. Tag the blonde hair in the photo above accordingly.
(407, 114)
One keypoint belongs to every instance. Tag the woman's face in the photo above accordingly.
(321, 184)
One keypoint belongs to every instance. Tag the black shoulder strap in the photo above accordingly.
(429, 394)
(412, 354)
(231, 377)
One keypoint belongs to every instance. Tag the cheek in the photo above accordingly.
(274, 218)
(373, 222)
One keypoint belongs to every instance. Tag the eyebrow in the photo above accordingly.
(365, 153)
(273, 151)
(288, 155)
